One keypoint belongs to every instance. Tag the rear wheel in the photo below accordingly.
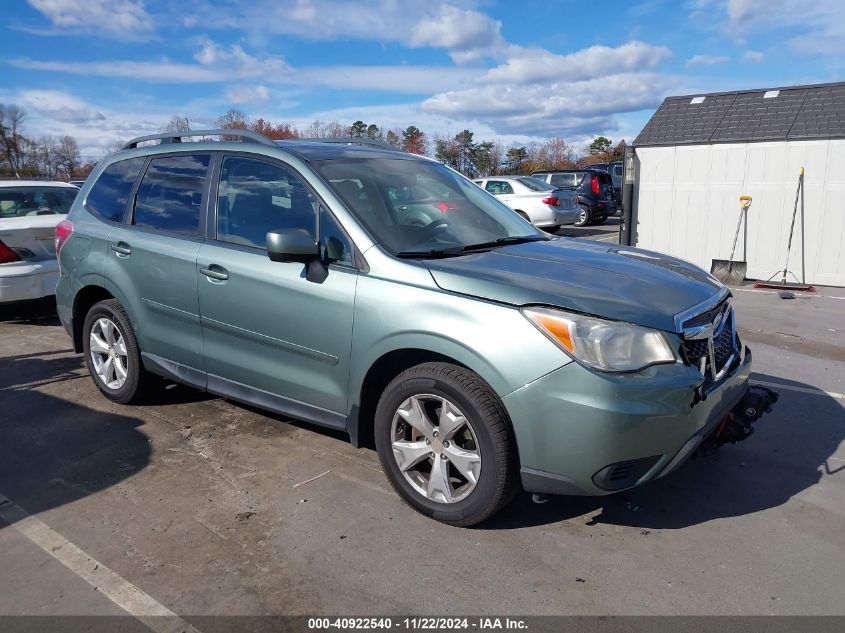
(445, 443)
(112, 354)
(584, 218)
(523, 215)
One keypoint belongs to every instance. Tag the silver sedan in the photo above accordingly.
(545, 206)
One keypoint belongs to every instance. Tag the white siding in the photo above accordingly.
(686, 203)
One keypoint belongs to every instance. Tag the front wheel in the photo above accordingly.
(112, 354)
(445, 443)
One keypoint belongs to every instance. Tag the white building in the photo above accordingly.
(699, 153)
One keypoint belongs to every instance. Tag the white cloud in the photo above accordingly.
(532, 64)
(821, 23)
(707, 60)
(116, 18)
(753, 56)
(467, 35)
(239, 94)
(562, 108)
(215, 63)
(60, 106)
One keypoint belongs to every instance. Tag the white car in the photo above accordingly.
(29, 213)
(545, 206)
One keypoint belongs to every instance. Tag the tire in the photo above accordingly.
(523, 215)
(584, 219)
(485, 434)
(552, 229)
(126, 389)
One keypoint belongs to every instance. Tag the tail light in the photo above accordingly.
(7, 255)
(594, 184)
(64, 229)
(552, 200)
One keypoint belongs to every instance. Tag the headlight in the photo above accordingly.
(604, 345)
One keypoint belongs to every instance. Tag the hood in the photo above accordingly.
(616, 282)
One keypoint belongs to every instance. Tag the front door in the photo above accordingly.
(265, 326)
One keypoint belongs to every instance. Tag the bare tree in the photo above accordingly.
(67, 158)
(176, 124)
(11, 122)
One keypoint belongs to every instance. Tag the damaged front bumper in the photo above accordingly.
(584, 433)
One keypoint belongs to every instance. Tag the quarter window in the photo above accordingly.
(255, 197)
(109, 195)
(170, 195)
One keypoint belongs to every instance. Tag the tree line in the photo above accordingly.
(59, 158)
(53, 157)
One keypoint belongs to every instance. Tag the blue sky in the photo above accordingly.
(105, 70)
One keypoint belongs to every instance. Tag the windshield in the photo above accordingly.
(416, 206)
(535, 184)
(20, 201)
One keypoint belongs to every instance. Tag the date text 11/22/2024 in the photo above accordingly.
(417, 624)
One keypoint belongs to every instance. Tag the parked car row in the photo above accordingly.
(547, 207)
(594, 189)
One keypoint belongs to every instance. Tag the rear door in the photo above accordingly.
(272, 336)
(152, 258)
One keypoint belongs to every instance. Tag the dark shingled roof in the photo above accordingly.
(797, 112)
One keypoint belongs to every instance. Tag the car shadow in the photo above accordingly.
(789, 452)
(55, 451)
(36, 312)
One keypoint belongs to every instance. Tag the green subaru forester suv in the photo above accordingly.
(380, 293)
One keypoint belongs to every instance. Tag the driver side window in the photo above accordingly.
(255, 197)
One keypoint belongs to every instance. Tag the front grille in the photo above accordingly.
(722, 336)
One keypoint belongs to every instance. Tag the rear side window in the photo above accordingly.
(109, 195)
(566, 180)
(170, 195)
(499, 187)
(21, 201)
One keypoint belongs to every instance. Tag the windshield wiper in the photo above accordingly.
(434, 253)
(456, 251)
(505, 241)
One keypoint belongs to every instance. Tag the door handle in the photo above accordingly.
(215, 272)
(122, 249)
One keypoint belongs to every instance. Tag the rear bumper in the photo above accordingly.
(584, 433)
(553, 216)
(22, 281)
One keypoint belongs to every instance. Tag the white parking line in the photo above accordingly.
(117, 589)
(814, 392)
(609, 238)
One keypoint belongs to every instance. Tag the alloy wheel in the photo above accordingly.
(435, 448)
(108, 353)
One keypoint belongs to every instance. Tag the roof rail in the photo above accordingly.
(176, 137)
(351, 140)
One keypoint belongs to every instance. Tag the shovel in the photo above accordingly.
(729, 271)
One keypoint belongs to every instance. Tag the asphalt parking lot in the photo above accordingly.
(208, 507)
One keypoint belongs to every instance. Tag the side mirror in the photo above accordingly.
(292, 245)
